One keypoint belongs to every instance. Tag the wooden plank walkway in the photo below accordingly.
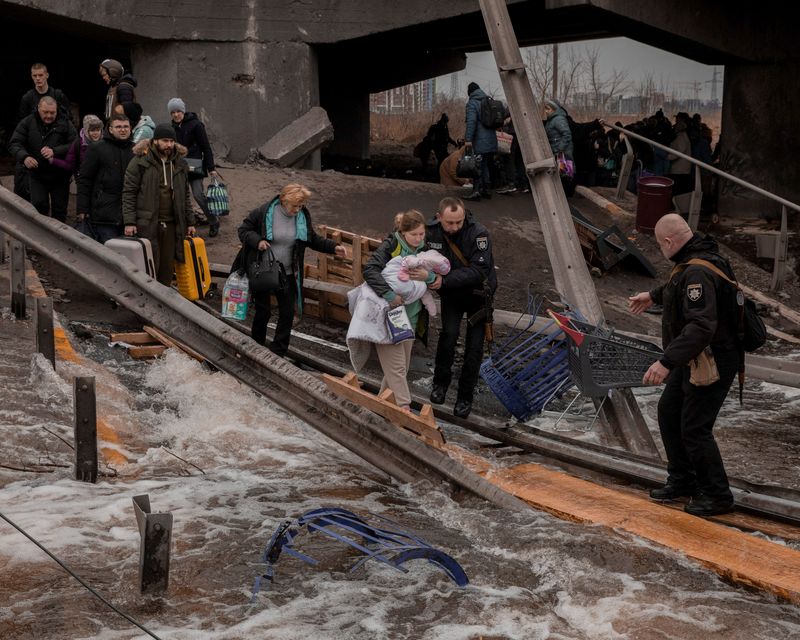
(734, 555)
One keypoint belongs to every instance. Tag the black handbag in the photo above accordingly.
(467, 166)
(266, 273)
(195, 167)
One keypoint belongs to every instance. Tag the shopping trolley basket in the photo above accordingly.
(601, 360)
(530, 368)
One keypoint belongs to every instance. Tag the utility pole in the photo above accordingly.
(622, 421)
(555, 72)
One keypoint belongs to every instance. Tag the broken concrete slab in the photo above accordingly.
(301, 137)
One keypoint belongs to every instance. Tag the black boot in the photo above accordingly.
(438, 393)
(672, 491)
(705, 506)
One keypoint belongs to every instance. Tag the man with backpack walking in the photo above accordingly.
(482, 120)
(702, 354)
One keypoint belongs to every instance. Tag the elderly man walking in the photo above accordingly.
(37, 139)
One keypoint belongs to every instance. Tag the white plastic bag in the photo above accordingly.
(235, 296)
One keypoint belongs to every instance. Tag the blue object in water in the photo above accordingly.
(386, 543)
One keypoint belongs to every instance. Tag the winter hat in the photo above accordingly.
(176, 104)
(472, 86)
(133, 110)
(91, 122)
(164, 131)
(113, 67)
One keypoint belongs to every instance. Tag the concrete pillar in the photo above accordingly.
(759, 128)
(244, 92)
(348, 110)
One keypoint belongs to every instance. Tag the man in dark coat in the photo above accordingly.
(699, 320)
(191, 133)
(39, 137)
(480, 140)
(27, 106)
(155, 199)
(102, 177)
(463, 291)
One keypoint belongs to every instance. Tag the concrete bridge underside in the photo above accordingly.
(249, 68)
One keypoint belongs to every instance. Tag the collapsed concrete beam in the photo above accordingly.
(296, 140)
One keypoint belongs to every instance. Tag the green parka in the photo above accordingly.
(140, 195)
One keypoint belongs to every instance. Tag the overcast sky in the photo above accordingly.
(615, 53)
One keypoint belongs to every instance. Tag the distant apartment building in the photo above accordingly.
(410, 98)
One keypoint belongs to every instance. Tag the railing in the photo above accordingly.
(781, 240)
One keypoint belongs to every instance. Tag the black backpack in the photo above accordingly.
(492, 113)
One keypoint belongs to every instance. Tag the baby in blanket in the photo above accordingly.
(396, 275)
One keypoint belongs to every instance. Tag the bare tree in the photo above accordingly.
(540, 71)
(602, 87)
(568, 75)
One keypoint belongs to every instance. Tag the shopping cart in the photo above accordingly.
(601, 360)
(530, 368)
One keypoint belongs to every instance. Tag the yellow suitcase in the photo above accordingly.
(194, 273)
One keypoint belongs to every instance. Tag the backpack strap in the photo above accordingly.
(715, 269)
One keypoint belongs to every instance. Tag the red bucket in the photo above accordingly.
(655, 201)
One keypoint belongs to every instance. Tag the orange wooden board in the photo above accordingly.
(424, 426)
(735, 555)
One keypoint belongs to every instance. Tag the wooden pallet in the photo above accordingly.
(344, 271)
(423, 425)
(151, 343)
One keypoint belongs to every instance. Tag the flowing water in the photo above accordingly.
(248, 466)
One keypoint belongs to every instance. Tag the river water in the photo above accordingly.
(249, 466)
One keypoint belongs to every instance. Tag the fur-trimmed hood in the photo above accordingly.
(142, 148)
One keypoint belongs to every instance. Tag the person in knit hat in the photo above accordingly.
(90, 133)
(155, 199)
(121, 85)
(191, 133)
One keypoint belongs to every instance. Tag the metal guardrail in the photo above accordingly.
(781, 241)
(397, 453)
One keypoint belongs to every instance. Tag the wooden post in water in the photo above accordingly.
(623, 421)
(45, 340)
(85, 430)
(18, 279)
(155, 531)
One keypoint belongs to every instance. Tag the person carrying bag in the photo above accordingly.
(274, 240)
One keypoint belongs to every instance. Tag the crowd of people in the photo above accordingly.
(133, 177)
(588, 153)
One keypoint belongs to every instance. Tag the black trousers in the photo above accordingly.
(49, 195)
(283, 330)
(453, 309)
(686, 416)
(21, 186)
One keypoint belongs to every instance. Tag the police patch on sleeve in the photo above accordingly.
(695, 294)
(482, 242)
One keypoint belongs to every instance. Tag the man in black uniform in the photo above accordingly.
(699, 314)
(466, 244)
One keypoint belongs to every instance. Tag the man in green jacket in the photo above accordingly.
(155, 199)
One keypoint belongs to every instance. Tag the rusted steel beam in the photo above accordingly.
(85, 429)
